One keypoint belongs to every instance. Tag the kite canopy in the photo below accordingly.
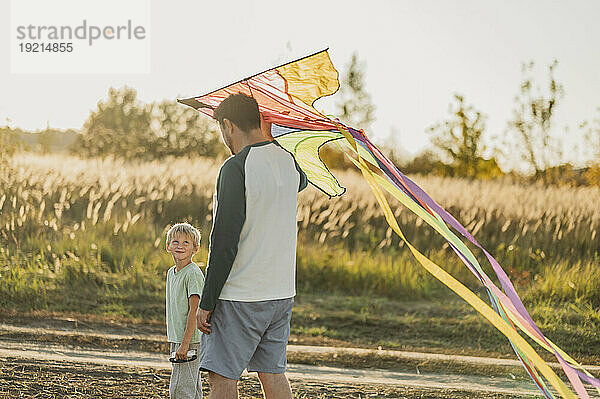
(285, 97)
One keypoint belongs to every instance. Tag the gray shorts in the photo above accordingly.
(185, 377)
(250, 335)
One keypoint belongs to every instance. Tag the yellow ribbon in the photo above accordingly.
(454, 284)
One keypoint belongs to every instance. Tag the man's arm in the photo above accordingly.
(190, 326)
(227, 227)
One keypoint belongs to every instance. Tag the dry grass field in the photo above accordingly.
(64, 219)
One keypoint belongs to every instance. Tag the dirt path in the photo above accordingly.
(50, 379)
(83, 348)
(10, 332)
(133, 359)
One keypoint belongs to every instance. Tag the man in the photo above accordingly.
(247, 301)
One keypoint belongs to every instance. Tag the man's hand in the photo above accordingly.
(203, 318)
(181, 353)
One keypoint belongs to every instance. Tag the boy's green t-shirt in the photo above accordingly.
(180, 285)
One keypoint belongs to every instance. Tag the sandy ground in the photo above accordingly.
(54, 370)
(30, 378)
(65, 360)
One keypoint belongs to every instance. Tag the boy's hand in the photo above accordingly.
(182, 351)
(203, 318)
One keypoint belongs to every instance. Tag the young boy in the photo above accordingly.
(185, 282)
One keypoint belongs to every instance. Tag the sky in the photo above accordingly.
(417, 55)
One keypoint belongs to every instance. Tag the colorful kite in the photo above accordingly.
(285, 97)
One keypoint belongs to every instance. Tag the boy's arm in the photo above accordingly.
(190, 326)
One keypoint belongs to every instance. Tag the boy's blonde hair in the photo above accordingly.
(184, 228)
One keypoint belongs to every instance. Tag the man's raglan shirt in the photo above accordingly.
(252, 253)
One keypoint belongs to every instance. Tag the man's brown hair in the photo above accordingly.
(240, 109)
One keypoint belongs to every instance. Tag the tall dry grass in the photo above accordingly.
(69, 225)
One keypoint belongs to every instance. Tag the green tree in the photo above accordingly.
(45, 139)
(118, 126)
(8, 144)
(529, 130)
(459, 140)
(125, 127)
(393, 149)
(355, 107)
(8, 147)
(427, 162)
(592, 140)
(183, 131)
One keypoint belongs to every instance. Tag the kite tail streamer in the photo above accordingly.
(454, 284)
(513, 299)
(571, 370)
(507, 285)
(528, 367)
